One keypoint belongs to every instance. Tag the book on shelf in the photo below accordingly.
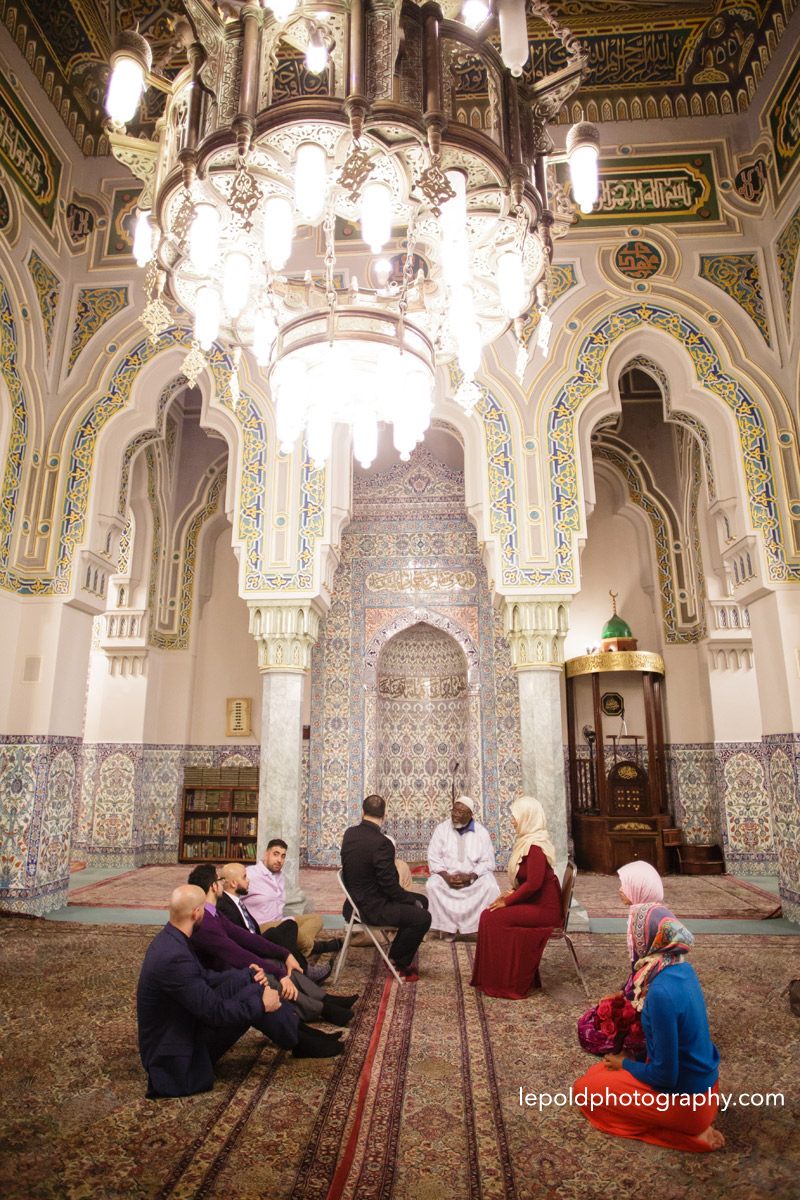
(245, 801)
(205, 848)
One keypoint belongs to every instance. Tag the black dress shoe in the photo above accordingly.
(331, 946)
(337, 1014)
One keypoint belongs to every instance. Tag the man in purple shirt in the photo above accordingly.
(221, 944)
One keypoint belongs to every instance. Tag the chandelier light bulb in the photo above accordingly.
(264, 334)
(365, 439)
(376, 214)
(383, 269)
(474, 13)
(235, 282)
(204, 238)
(511, 283)
(320, 434)
(282, 8)
(514, 47)
(125, 89)
(310, 180)
(278, 229)
(144, 239)
(454, 211)
(583, 152)
(316, 53)
(207, 316)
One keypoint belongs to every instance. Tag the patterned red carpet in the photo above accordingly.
(710, 896)
(424, 1104)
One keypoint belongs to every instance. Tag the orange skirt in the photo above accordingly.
(615, 1102)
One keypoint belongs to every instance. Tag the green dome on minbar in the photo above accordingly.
(616, 628)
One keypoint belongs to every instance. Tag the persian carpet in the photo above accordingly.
(715, 897)
(698, 897)
(423, 1105)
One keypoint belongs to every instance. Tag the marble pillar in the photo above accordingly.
(285, 633)
(279, 798)
(535, 629)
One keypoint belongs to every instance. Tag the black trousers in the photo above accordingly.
(412, 920)
(285, 935)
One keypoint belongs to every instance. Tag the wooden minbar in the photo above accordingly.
(619, 809)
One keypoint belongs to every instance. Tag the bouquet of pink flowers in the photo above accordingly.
(611, 1026)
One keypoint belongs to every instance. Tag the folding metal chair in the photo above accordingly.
(356, 922)
(560, 931)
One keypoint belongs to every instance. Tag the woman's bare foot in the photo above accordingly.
(712, 1138)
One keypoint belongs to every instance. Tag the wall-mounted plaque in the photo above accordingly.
(612, 704)
(238, 714)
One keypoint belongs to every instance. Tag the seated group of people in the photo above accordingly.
(671, 1098)
(217, 968)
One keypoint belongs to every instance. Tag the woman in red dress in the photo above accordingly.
(514, 930)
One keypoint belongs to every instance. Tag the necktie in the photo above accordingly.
(248, 918)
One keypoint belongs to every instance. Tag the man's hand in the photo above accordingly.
(270, 999)
(292, 964)
(259, 975)
(288, 990)
(614, 1061)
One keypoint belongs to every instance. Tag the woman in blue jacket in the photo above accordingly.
(672, 1099)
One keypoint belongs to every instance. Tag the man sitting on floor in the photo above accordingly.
(370, 877)
(461, 863)
(266, 900)
(188, 1017)
(232, 903)
(221, 944)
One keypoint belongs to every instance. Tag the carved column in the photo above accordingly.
(285, 633)
(535, 629)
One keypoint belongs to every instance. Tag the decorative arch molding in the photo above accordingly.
(574, 396)
(114, 397)
(643, 496)
(18, 432)
(149, 435)
(677, 417)
(416, 616)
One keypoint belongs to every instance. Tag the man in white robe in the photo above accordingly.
(461, 863)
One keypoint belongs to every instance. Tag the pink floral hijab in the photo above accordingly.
(642, 884)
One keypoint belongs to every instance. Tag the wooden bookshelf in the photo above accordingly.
(219, 815)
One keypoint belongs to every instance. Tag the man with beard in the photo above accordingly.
(188, 1017)
(461, 863)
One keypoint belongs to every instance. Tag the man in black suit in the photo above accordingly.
(370, 877)
(188, 1017)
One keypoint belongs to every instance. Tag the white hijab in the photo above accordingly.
(531, 831)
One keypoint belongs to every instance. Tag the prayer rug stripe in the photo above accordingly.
(473, 1171)
(318, 1165)
(496, 1178)
(373, 1173)
(202, 1163)
(343, 1169)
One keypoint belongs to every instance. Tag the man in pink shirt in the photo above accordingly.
(266, 898)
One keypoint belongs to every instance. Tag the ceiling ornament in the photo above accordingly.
(253, 173)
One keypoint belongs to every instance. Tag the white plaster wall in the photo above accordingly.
(116, 705)
(10, 617)
(736, 712)
(226, 655)
(61, 637)
(611, 561)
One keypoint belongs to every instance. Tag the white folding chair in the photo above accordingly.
(356, 922)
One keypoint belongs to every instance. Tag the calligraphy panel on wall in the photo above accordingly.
(27, 155)
(667, 188)
(784, 123)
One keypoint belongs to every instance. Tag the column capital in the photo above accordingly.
(285, 632)
(535, 627)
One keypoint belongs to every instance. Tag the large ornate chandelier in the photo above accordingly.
(299, 124)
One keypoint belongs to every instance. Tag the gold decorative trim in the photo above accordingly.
(615, 660)
(629, 826)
